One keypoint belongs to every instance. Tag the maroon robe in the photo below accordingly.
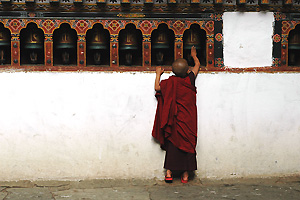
(176, 114)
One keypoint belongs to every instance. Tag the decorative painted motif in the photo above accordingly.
(284, 51)
(285, 26)
(219, 37)
(146, 38)
(284, 39)
(178, 38)
(178, 26)
(210, 26)
(279, 16)
(82, 26)
(276, 38)
(114, 26)
(15, 25)
(219, 62)
(276, 62)
(146, 26)
(49, 25)
(218, 16)
(210, 38)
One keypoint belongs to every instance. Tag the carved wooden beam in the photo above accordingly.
(218, 2)
(241, 2)
(288, 2)
(101, 1)
(264, 2)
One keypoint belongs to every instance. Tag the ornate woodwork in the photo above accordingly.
(125, 35)
(128, 44)
(286, 43)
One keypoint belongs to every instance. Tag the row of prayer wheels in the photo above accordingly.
(98, 45)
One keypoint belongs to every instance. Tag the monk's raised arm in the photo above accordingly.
(196, 61)
(159, 72)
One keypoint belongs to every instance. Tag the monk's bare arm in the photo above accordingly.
(196, 61)
(159, 72)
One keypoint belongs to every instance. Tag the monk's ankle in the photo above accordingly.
(169, 173)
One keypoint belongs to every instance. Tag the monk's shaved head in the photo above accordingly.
(180, 67)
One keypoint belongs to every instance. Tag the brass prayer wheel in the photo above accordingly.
(98, 40)
(128, 41)
(4, 44)
(4, 38)
(65, 41)
(161, 41)
(191, 39)
(294, 40)
(33, 40)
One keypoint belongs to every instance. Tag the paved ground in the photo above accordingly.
(284, 188)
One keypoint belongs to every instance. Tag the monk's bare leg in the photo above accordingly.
(185, 176)
(169, 173)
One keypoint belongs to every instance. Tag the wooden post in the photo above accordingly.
(146, 51)
(178, 48)
(15, 50)
(81, 51)
(114, 51)
(48, 46)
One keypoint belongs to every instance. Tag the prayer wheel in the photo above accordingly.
(4, 44)
(34, 44)
(191, 39)
(65, 41)
(98, 44)
(294, 40)
(98, 40)
(65, 44)
(4, 38)
(160, 45)
(128, 45)
(161, 41)
(128, 41)
(294, 47)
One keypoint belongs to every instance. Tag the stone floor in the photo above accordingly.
(280, 188)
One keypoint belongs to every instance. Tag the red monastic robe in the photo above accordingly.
(176, 114)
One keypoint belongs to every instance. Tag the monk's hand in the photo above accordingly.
(159, 71)
(193, 52)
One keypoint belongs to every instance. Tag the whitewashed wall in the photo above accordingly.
(248, 39)
(98, 125)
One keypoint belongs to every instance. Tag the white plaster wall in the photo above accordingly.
(77, 125)
(248, 124)
(247, 39)
(98, 125)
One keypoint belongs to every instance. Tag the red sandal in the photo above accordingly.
(168, 179)
(184, 181)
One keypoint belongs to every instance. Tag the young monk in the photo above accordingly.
(175, 125)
